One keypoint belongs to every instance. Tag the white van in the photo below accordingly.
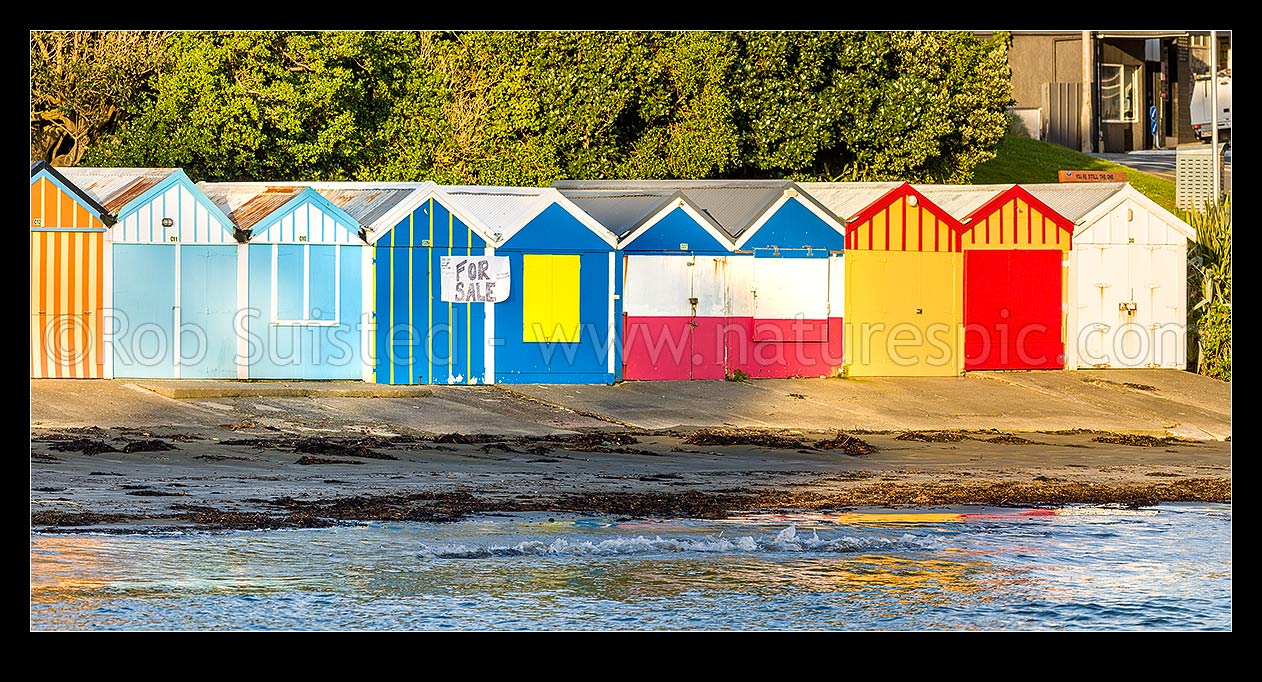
(1201, 107)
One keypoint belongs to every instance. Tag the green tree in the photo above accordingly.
(267, 105)
(870, 105)
(83, 83)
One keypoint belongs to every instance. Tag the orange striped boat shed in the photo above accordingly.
(67, 278)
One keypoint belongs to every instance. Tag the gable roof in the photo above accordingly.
(620, 211)
(1074, 199)
(1014, 192)
(255, 207)
(42, 168)
(960, 200)
(732, 205)
(848, 199)
(115, 188)
(503, 211)
(1128, 192)
(367, 202)
(246, 204)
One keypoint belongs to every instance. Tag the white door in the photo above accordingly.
(1166, 291)
(1103, 283)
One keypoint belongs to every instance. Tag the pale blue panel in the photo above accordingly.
(143, 324)
(289, 283)
(208, 302)
(323, 282)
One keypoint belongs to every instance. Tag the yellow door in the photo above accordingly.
(902, 313)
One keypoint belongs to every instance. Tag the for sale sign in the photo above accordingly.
(474, 279)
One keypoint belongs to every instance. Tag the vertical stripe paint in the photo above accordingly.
(902, 211)
(429, 279)
(468, 312)
(54, 308)
(450, 306)
(488, 336)
(175, 313)
(609, 333)
(411, 287)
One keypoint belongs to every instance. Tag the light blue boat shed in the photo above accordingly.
(172, 268)
(304, 305)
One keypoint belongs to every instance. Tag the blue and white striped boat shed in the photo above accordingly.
(303, 301)
(171, 261)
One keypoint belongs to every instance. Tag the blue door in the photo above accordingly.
(143, 317)
(208, 301)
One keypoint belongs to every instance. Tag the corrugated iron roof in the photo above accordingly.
(733, 205)
(620, 211)
(247, 203)
(366, 202)
(1074, 199)
(501, 209)
(847, 199)
(113, 188)
(960, 200)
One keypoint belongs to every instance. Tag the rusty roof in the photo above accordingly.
(248, 203)
(114, 188)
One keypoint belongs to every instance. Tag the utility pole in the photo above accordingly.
(1088, 71)
(1213, 121)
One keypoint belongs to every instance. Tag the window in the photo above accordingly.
(1200, 40)
(1119, 93)
(305, 287)
(550, 298)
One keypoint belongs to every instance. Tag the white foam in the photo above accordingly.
(786, 540)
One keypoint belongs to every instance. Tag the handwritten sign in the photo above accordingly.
(474, 279)
(1091, 176)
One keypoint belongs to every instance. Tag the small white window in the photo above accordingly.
(305, 287)
(1200, 40)
(1119, 93)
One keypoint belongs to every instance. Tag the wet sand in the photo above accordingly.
(248, 475)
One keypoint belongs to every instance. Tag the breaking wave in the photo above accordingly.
(787, 540)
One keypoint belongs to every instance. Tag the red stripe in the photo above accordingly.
(1029, 228)
(887, 228)
(871, 229)
(903, 204)
(1044, 229)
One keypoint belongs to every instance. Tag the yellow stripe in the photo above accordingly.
(927, 517)
(429, 336)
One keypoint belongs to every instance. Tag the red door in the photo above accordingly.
(1012, 309)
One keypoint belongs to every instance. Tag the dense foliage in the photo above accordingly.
(531, 107)
(1209, 289)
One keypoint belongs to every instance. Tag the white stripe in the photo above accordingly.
(243, 301)
(609, 340)
(107, 305)
(367, 353)
(275, 315)
(306, 282)
(488, 375)
(337, 283)
(175, 344)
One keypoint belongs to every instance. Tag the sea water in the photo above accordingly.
(1086, 568)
